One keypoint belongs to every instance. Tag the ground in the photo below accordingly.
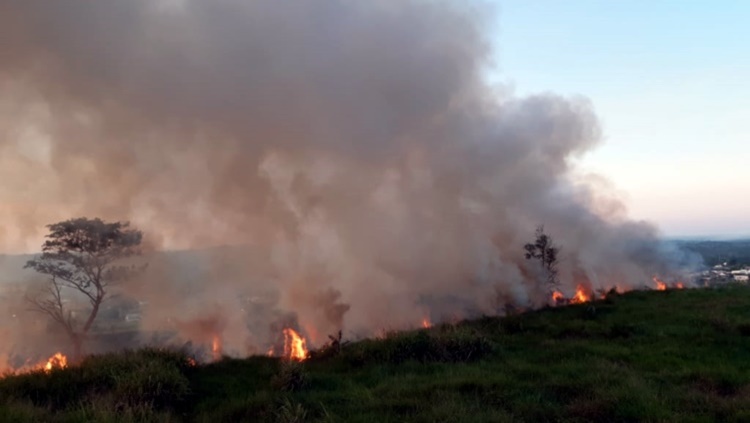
(661, 356)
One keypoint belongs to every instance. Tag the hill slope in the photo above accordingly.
(668, 356)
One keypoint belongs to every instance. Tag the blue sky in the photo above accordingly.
(670, 81)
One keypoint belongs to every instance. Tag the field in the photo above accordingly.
(661, 356)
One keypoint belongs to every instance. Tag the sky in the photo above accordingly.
(670, 82)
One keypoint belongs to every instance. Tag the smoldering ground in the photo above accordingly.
(352, 148)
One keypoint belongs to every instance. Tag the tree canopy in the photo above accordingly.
(81, 256)
(544, 250)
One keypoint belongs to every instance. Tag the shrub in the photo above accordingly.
(291, 376)
(290, 412)
(132, 378)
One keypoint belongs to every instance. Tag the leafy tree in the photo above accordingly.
(546, 253)
(81, 256)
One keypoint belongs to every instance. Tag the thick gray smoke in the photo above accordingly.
(352, 148)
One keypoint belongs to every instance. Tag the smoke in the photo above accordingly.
(352, 149)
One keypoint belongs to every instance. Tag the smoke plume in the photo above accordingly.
(349, 156)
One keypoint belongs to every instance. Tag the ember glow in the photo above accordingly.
(295, 346)
(426, 323)
(557, 297)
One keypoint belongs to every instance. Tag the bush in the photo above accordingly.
(289, 412)
(147, 378)
(14, 412)
(291, 376)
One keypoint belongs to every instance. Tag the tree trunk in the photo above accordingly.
(77, 340)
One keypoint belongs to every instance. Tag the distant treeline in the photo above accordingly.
(734, 253)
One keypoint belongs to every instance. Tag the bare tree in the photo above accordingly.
(80, 256)
(546, 252)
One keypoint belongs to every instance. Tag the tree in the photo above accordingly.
(546, 252)
(81, 256)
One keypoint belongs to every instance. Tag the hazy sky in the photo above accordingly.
(670, 81)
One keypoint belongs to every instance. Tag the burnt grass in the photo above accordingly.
(658, 356)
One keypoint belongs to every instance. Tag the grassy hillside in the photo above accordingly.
(668, 356)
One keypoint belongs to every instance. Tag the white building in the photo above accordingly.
(741, 278)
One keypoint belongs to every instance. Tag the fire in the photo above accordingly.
(426, 323)
(679, 285)
(216, 347)
(660, 286)
(295, 347)
(557, 296)
(581, 296)
(58, 361)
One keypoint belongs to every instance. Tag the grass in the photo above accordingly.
(666, 356)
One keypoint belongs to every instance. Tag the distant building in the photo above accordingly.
(741, 278)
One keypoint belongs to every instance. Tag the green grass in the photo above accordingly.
(671, 356)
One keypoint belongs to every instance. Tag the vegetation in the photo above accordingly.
(661, 356)
(80, 257)
(544, 250)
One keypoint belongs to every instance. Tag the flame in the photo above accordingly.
(295, 347)
(660, 286)
(216, 347)
(426, 323)
(679, 285)
(557, 296)
(56, 361)
(581, 296)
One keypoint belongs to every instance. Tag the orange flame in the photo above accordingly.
(660, 286)
(295, 347)
(426, 323)
(557, 296)
(216, 347)
(56, 361)
(581, 296)
(679, 285)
